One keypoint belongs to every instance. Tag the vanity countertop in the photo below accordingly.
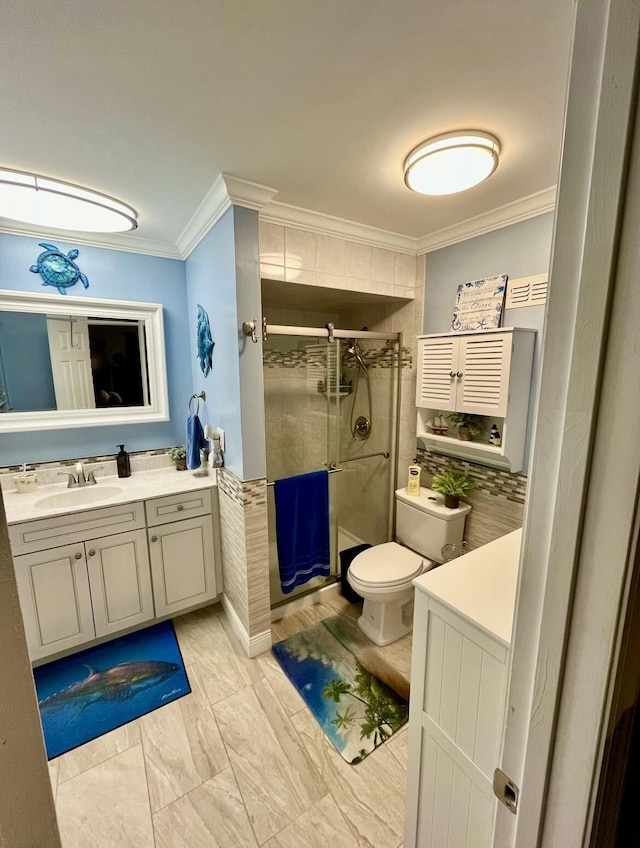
(141, 486)
(481, 585)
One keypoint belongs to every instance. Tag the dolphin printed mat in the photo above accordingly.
(332, 667)
(94, 691)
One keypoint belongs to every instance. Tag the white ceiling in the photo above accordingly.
(150, 100)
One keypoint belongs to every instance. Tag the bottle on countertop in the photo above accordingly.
(413, 481)
(122, 461)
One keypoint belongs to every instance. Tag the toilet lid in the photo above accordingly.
(386, 565)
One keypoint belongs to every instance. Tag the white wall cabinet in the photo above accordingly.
(462, 633)
(88, 574)
(484, 373)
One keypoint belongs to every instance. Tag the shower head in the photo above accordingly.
(354, 351)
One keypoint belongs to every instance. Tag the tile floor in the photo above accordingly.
(239, 762)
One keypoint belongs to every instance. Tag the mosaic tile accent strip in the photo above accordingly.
(493, 481)
(374, 357)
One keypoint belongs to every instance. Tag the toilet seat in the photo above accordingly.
(387, 565)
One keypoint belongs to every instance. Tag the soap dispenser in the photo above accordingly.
(122, 461)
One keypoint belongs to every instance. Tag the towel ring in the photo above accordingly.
(202, 395)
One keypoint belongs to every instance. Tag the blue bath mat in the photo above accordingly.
(94, 691)
(355, 709)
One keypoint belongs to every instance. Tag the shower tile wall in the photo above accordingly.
(295, 412)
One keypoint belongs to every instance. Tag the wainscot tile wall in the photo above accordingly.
(497, 501)
(245, 567)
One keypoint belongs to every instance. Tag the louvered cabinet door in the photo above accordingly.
(483, 363)
(437, 366)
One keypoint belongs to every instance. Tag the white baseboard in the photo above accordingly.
(252, 645)
(297, 604)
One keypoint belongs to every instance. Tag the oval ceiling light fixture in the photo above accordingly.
(51, 203)
(451, 162)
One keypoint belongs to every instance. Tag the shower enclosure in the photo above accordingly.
(332, 401)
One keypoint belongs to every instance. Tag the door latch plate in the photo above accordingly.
(505, 790)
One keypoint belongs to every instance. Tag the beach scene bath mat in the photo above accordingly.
(334, 669)
(94, 691)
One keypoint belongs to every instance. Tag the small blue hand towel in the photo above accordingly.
(302, 528)
(195, 441)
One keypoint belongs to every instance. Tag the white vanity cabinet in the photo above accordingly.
(484, 373)
(461, 641)
(183, 558)
(96, 572)
(73, 593)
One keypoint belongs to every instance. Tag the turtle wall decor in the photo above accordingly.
(58, 269)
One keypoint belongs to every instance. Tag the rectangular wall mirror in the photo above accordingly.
(79, 362)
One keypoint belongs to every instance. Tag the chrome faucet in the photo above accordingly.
(79, 480)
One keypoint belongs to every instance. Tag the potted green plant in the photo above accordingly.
(179, 455)
(453, 485)
(468, 425)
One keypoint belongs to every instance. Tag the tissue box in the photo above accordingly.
(26, 482)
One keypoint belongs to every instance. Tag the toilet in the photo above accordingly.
(382, 574)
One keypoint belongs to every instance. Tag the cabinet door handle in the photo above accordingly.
(77, 556)
(180, 507)
(451, 374)
(92, 552)
(154, 538)
(459, 374)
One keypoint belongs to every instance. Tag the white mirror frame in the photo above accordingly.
(149, 314)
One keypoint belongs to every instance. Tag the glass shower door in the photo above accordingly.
(301, 385)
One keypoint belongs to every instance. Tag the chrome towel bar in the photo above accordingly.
(331, 470)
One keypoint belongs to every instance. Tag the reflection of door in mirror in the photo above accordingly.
(71, 363)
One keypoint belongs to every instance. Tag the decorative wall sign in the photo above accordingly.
(58, 269)
(204, 341)
(479, 304)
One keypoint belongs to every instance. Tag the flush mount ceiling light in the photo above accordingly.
(51, 203)
(451, 162)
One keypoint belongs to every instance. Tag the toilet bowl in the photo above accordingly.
(383, 574)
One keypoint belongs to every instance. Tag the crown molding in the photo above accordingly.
(328, 225)
(110, 241)
(503, 216)
(225, 192)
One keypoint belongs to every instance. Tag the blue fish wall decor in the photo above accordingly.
(205, 342)
(58, 269)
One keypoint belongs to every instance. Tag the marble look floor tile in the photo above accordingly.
(210, 816)
(54, 766)
(342, 606)
(182, 745)
(302, 620)
(399, 745)
(285, 691)
(107, 805)
(322, 825)
(370, 794)
(98, 750)
(276, 777)
(222, 672)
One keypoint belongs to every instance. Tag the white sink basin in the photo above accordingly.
(78, 497)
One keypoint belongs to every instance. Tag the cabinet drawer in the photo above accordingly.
(43, 533)
(184, 505)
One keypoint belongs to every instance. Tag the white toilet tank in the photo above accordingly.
(425, 524)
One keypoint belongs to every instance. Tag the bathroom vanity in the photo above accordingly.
(461, 643)
(136, 550)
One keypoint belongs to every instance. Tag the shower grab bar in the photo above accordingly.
(385, 454)
(331, 470)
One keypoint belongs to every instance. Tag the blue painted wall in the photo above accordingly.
(24, 348)
(211, 282)
(116, 275)
(520, 250)
(223, 277)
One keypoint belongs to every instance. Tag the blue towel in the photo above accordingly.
(302, 528)
(195, 441)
